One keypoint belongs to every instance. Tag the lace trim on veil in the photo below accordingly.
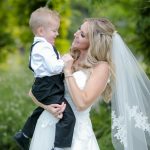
(140, 121)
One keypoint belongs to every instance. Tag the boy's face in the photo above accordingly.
(50, 32)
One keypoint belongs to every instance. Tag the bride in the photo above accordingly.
(100, 64)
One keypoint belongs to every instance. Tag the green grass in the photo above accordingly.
(16, 106)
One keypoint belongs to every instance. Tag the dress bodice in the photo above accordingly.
(80, 78)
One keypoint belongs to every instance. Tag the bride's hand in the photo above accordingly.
(56, 109)
(62, 108)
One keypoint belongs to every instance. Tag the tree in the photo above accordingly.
(5, 36)
(143, 32)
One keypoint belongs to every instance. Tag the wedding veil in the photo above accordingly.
(130, 101)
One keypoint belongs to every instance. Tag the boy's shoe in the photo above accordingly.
(22, 141)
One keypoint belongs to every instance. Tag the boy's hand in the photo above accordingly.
(67, 57)
(68, 60)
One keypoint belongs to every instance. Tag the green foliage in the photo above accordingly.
(5, 36)
(63, 7)
(15, 105)
(125, 21)
(126, 15)
(101, 119)
(15, 16)
(14, 31)
(63, 45)
(5, 43)
(143, 31)
(15, 27)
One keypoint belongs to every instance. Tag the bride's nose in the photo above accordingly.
(77, 33)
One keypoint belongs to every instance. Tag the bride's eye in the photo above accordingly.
(82, 35)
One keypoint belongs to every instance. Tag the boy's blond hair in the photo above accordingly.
(42, 17)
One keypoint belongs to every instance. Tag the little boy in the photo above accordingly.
(48, 86)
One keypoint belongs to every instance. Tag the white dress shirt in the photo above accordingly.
(44, 60)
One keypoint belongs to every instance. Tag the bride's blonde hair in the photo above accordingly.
(100, 32)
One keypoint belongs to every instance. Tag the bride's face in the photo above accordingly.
(81, 40)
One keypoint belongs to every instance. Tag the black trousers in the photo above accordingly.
(50, 90)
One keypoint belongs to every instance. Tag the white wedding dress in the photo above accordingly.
(83, 138)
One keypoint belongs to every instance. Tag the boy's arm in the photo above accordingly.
(53, 65)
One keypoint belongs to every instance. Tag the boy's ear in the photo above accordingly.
(40, 31)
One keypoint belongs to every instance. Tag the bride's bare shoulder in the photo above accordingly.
(102, 65)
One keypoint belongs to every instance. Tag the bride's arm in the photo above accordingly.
(54, 109)
(93, 88)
